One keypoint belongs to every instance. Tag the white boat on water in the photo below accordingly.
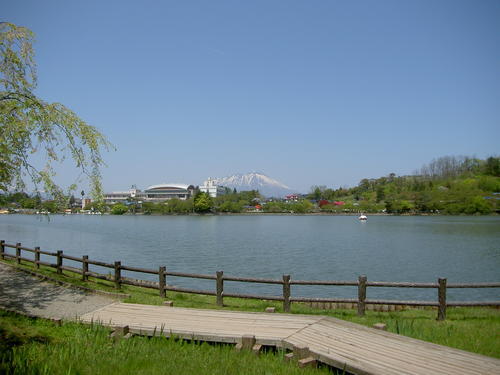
(363, 217)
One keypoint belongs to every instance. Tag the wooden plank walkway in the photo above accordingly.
(358, 349)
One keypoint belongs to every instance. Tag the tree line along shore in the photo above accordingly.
(448, 185)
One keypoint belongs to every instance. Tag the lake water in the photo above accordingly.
(386, 248)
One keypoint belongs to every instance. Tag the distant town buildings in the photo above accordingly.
(86, 202)
(210, 186)
(163, 192)
(154, 193)
(122, 196)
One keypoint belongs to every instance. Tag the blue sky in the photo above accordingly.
(310, 93)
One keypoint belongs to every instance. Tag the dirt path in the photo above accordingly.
(29, 295)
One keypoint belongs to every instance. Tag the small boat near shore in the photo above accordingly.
(362, 217)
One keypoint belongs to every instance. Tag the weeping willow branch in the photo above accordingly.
(30, 125)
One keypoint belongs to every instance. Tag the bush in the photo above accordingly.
(275, 207)
(489, 184)
(478, 205)
(454, 208)
(119, 209)
(177, 206)
(203, 202)
(230, 207)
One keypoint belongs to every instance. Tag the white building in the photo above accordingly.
(86, 202)
(210, 186)
(154, 193)
(123, 196)
(164, 192)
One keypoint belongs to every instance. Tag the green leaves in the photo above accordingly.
(30, 125)
(202, 202)
(119, 209)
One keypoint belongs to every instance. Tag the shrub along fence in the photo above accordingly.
(362, 283)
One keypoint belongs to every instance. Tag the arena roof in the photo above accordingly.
(168, 186)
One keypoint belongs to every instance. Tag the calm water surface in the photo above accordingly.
(386, 248)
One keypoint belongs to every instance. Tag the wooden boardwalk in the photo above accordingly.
(358, 349)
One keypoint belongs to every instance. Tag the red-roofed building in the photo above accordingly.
(323, 202)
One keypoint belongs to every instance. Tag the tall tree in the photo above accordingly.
(202, 202)
(492, 166)
(31, 125)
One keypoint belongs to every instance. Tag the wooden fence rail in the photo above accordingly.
(362, 283)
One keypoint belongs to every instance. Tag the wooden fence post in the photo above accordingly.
(85, 268)
(220, 288)
(37, 257)
(361, 295)
(18, 252)
(162, 281)
(2, 249)
(118, 274)
(286, 293)
(442, 299)
(59, 261)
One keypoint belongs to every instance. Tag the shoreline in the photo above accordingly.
(259, 214)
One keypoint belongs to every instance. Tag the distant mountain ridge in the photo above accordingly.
(266, 185)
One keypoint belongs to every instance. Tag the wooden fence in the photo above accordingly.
(362, 283)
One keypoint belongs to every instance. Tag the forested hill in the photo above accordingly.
(449, 185)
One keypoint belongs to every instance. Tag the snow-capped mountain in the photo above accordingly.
(266, 185)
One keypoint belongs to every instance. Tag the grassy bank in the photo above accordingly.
(471, 329)
(35, 346)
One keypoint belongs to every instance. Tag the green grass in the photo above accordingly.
(42, 348)
(472, 329)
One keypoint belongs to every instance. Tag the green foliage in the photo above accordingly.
(276, 207)
(469, 193)
(20, 199)
(449, 185)
(30, 125)
(119, 209)
(95, 207)
(16, 331)
(488, 184)
(30, 203)
(203, 202)
(16, 197)
(318, 192)
(149, 208)
(332, 208)
(492, 166)
(322, 192)
(172, 206)
(50, 206)
(229, 206)
(398, 206)
(380, 194)
(477, 205)
(236, 201)
(178, 206)
(301, 207)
